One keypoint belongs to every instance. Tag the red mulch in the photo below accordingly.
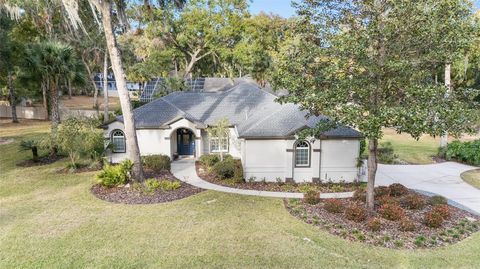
(453, 230)
(203, 173)
(129, 194)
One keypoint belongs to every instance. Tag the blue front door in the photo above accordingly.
(185, 142)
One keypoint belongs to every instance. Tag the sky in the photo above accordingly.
(284, 8)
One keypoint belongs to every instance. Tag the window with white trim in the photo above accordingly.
(302, 154)
(118, 141)
(218, 144)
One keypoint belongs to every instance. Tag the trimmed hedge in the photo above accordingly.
(156, 162)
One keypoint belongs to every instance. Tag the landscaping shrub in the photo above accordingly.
(30, 145)
(397, 189)
(156, 162)
(238, 171)
(360, 195)
(209, 160)
(391, 212)
(414, 201)
(382, 191)
(225, 169)
(406, 225)
(334, 206)
(79, 137)
(355, 212)
(386, 153)
(387, 200)
(167, 185)
(312, 197)
(466, 152)
(433, 219)
(152, 185)
(443, 210)
(437, 200)
(374, 224)
(115, 175)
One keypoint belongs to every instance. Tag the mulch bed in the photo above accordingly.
(128, 194)
(40, 161)
(204, 174)
(461, 225)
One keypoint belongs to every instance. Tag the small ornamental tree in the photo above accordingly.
(220, 132)
(79, 137)
(371, 65)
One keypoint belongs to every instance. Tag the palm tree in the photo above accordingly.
(55, 61)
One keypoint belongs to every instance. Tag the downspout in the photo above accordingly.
(320, 162)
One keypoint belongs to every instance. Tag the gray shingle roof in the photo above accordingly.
(253, 111)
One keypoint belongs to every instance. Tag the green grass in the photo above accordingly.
(413, 151)
(472, 177)
(50, 220)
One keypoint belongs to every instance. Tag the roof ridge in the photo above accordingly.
(262, 120)
(176, 107)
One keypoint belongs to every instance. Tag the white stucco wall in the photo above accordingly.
(339, 160)
(330, 160)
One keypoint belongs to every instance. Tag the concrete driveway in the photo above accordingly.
(443, 179)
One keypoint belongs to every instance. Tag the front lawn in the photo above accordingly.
(413, 151)
(472, 177)
(51, 220)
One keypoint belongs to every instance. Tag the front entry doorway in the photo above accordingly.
(185, 142)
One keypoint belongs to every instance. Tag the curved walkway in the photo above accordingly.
(185, 171)
(442, 178)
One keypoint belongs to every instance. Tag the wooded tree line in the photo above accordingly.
(408, 65)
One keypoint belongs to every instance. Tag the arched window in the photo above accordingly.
(118, 141)
(302, 154)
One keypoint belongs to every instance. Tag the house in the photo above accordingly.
(262, 135)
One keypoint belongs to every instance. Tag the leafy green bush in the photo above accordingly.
(238, 171)
(355, 212)
(229, 168)
(156, 162)
(437, 200)
(152, 185)
(397, 189)
(466, 152)
(391, 212)
(115, 175)
(334, 206)
(167, 185)
(312, 197)
(386, 153)
(209, 160)
(80, 137)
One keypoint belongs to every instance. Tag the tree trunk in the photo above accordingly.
(11, 92)
(133, 151)
(372, 171)
(448, 84)
(105, 89)
(91, 76)
(54, 114)
(44, 96)
(69, 85)
(35, 153)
